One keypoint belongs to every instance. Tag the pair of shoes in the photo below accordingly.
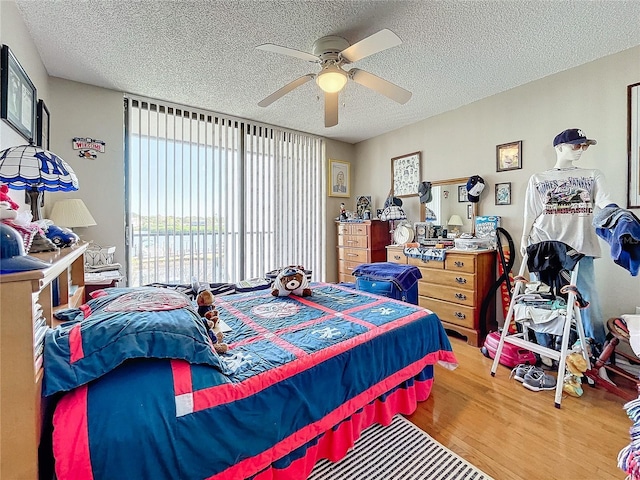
(536, 380)
(520, 371)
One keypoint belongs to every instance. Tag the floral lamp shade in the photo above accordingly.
(28, 167)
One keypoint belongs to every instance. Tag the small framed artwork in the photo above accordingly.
(470, 211)
(503, 193)
(363, 207)
(405, 175)
(462, 193)
(339, 178)
(18, 96)
(509, 156)
(633, 145)
(44, 123)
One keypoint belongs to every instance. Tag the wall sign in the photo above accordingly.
(86, 143)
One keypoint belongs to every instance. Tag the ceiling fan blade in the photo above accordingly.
(292, 52)
(380, 85)
(372, 44)
(286, 89)
(330, 109)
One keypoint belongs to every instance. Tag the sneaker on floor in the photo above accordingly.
(537, 381)
(520, 371)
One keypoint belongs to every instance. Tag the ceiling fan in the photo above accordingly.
(332, 53)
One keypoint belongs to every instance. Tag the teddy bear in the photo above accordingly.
(213, 330)
(205, 300)
(576, 366)
(291, 279)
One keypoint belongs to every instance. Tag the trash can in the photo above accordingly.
(389, 279)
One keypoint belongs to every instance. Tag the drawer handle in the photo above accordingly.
(458, 264)
(461, 280)
(461, 296)
(352, 254)
(351, 241)
(397, 257)
(459, 315)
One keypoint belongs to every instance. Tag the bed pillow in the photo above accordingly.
(123, 324)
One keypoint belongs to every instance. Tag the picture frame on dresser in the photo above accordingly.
(18, 95)
(339, 178)
(405, 175)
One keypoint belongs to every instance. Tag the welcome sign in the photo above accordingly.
(85, 143)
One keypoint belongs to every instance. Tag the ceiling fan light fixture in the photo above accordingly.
(331, 79)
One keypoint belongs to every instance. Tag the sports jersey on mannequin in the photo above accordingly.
(559, 206)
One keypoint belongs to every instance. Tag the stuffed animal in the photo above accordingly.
(213, 330)
(205, 301)
(576, 366)
(291, 279)
(4, 197)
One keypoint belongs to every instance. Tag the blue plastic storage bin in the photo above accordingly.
(387, 288)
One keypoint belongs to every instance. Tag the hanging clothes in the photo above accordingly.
(620, 228)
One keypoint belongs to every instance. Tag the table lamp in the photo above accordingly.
(72, 213)
(33, 169)
(456, 222)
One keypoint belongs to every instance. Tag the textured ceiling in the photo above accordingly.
(202, 53)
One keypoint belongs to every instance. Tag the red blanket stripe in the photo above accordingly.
(182, 382)
(334, 444)
(75, 445)
(220, 394)
(76, 351)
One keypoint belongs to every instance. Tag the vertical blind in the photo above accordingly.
(218, 199)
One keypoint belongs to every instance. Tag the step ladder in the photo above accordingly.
(520, 339)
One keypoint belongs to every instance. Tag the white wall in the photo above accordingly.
(462, 143)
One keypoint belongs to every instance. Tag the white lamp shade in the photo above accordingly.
(455, 220)
(71, 212)
(331, 79)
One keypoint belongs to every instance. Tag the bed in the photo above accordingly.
(141, 393)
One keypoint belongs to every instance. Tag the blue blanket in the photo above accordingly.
(403, 276)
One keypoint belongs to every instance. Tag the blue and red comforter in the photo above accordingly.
(296, 368)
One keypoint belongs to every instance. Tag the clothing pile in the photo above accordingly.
(629, 456)
(621, 230)
(539, 309)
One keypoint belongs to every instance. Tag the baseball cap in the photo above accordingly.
(574, 136)
(424, 190)
(475, 186)
(12, 256)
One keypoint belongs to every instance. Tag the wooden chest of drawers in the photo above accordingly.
(454, 289)
(362, 242)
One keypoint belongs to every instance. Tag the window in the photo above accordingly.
(218, 199)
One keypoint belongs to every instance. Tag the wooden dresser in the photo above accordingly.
(27, 303)
(361, 242)
(454, 289)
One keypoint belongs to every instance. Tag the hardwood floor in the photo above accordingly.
(512, 433)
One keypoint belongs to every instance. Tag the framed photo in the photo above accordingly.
(18, 96)
(509, 156)
(339, 178)
(462, 194)
(469, 211)
(633, 145)
(503, 193)
(44, 122)
(405, 175)
(364, 207)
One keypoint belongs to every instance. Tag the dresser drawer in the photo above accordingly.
(344, 278)
(449, 279)
(450, 313)
(355, 241)
(353, 229)
(416, 262)
(448, 294)
(396, 255)
(353, 255)
(460, 262)
(345, 266)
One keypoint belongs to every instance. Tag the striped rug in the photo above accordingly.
(400, 451)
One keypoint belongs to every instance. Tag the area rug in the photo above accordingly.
(400, 451)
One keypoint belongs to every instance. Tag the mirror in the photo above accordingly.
(445, 203)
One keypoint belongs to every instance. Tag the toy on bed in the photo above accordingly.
(209, 314)
(291, 279)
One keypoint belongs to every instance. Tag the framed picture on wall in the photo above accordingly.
(42, 139)
(503, 193)
(509, 156)
(339, 179)
(462, 194)
(405, 175)
(18, 102)
(633, 145)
